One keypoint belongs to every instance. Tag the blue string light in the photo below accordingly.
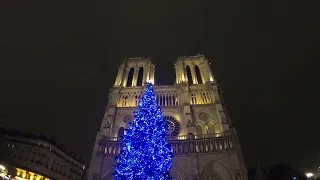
(146, 155)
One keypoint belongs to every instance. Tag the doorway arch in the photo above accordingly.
(216, 170)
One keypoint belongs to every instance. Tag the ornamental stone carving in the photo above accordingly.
(203, 116)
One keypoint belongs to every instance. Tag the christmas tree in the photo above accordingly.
(146, 153)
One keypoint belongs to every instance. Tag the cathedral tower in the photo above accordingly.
(203, 143)
(193, 70)
(135, 72)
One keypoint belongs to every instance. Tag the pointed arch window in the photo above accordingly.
(189, 75)
(140, 77)
(121, 132)
(199, 131)
(130, 77)
(198, 74)
(210, 130)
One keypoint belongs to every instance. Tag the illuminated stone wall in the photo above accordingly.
(193, 108)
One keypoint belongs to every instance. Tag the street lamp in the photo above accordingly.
(309, 175)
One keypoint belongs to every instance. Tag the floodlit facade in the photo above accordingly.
(203, 143)
(36, 157)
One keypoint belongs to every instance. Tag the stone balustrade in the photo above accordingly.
(201, 96)
(109, 147)
(167, 96)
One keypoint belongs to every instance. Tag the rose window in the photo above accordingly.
(173, 125)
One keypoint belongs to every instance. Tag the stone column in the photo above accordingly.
(135, 76)
(120, 75)
(177, 74)
(181, 73)
(185, 96)
(152, 71)
(215, 94)
(193, 74)
(153, 74)
(211, 95)
(114, 98)
(144, 75)
(125, 77)
(184, 72)
(204, 73)
(209, 71)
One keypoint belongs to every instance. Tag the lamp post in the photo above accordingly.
(309, 175)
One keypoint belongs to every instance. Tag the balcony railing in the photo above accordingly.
(112, 147)
(167, 96)
(183, 137)
(164, 97)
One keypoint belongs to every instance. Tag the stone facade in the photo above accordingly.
(204, 145)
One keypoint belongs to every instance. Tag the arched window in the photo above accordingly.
(189, 74)
(199, 131)
(140, 77)
(121, 132)
(198, 74)
(130, 77)
(210, 130)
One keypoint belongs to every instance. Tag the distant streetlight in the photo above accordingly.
(309, 175)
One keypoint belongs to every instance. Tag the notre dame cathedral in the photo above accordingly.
(205, 147)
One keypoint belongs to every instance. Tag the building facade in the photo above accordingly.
(37, 157)
(204, 145)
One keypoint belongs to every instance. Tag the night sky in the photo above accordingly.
(58, 60)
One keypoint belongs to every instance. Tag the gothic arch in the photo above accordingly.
(140, 77)
(202, 125)
(108, 175)
(177, 172)
(213, 121)
(130, 77)
(199, 130)
(210, 129)
(120, 132)
(211, 132)
(198, 74)
(189, 75)
(216, 170)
